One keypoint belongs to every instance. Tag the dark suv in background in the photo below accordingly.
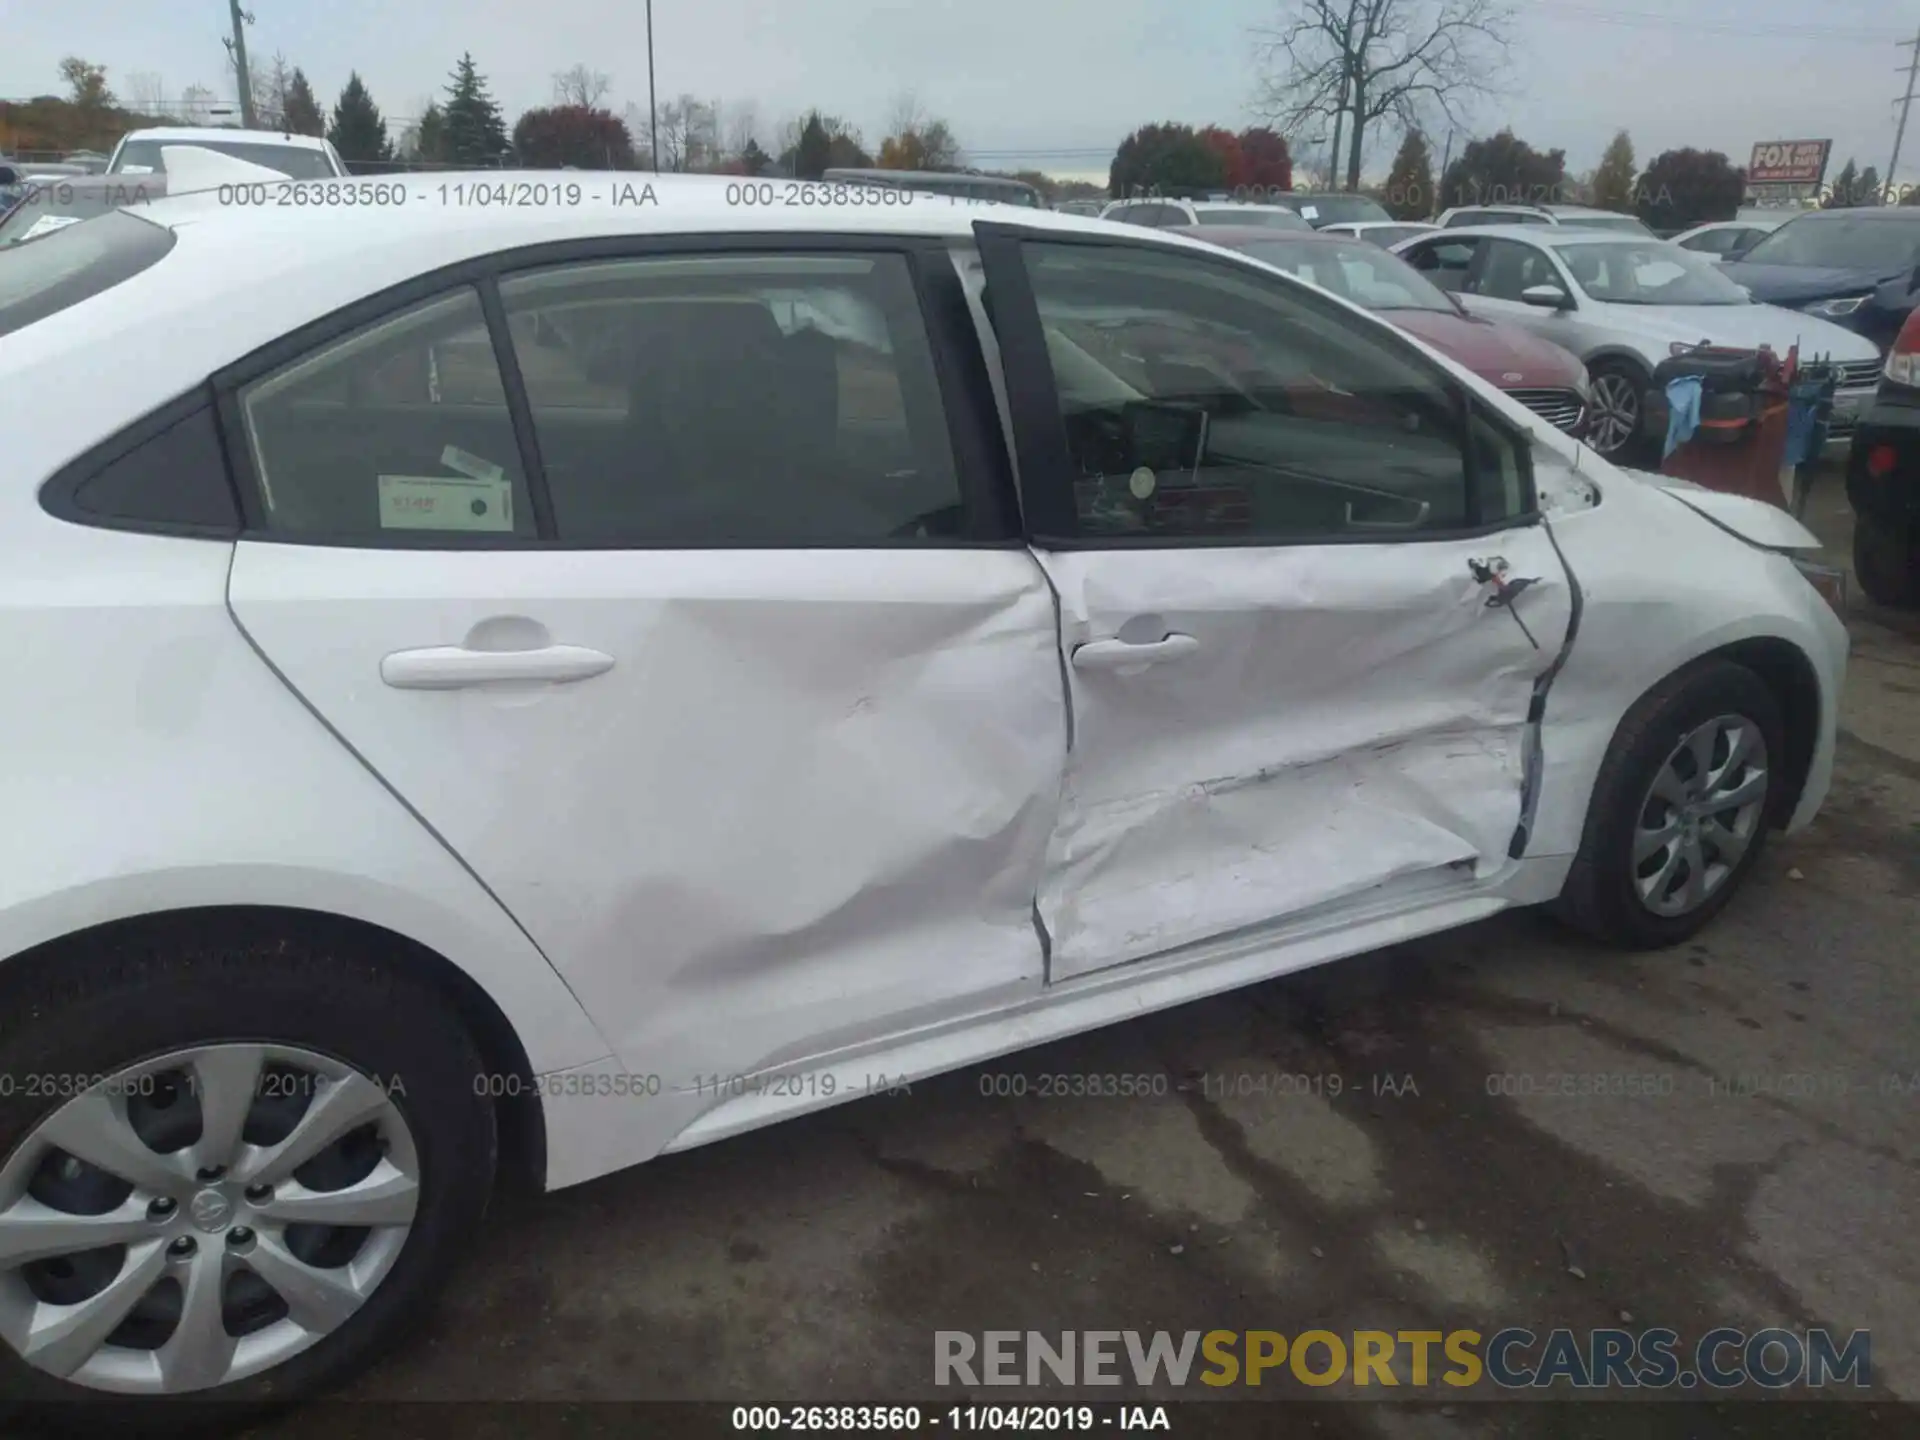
(1883, 480)
(1857, 267)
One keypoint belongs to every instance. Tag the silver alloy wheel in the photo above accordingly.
(279, 1196)
(1699, 815)
(1616, 412)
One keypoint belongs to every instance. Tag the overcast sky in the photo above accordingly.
(1052, 84)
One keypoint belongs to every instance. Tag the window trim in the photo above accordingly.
(1040, 433)
(984, 483)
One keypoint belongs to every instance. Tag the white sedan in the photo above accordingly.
(507, 690)
(1622, 303)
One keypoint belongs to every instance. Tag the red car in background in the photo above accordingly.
(1542, 376)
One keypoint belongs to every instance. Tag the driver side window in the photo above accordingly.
(1511, 269)
(1207, 402)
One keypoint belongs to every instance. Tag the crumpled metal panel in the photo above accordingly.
(1354, 715)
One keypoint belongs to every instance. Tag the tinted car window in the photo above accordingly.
(75, 263)
(1445, 262)
(46, 207)
(296, 161)
(1842, 242)
(1201, 401)
(1512, 268)
(1356, 271)
(395, 433)
(1267, 219)
(166, 473)
(762, 400)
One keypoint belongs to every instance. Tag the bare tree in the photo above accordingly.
(196, 104)
(1351, 63)
(580, 86)
(906, 115)
(146, 93)
(271, 82)
(741, 128)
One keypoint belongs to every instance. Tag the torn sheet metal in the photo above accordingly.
(1351, 716)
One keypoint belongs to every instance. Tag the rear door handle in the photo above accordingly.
(1127, 655)
(454, 667)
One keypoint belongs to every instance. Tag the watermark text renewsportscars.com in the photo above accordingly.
(1512, 1358)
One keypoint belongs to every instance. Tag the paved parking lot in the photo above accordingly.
(1771, 1177)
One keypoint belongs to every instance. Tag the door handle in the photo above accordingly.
(1128, 655)
(454, 667)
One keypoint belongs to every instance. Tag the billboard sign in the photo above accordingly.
(1789, 162)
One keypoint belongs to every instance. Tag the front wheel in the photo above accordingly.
(1886, 560)
(230, 1174)
(1619, 404)
(1680, 811)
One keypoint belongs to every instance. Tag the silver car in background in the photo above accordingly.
(1624, 303)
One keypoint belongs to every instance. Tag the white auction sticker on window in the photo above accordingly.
(1309, 212)
(46, 224)
(445, 502)
(467, 463)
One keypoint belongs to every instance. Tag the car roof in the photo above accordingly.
(214, 134)
(1873, 214)
(1553, 235)
(1227, 234)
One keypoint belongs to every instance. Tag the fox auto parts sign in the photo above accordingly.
(1789, 162)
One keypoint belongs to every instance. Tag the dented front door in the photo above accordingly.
(1300, 666)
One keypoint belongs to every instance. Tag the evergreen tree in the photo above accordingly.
(475, 133)
(814, 153)
(1870, 190)
(357, 131)
(302, 115)
(1410, 183)
(430, 135)
(1843, 187)
(1613, 181)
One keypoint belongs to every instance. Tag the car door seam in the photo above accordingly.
(402, 800)
(1535, 751)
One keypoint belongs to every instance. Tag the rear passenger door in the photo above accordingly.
(679, 590)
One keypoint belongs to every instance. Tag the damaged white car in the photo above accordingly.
(521, 689)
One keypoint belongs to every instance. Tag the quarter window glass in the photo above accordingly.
(754, 399)
(1202, 401)
(395, 433)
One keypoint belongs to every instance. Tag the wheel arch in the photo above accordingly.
(522, 1120)
(1786, 670)
(1618, 354)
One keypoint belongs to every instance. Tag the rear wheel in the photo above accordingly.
(1886, 560)
(228, 1175)
(1680, 811)
(1619, 403)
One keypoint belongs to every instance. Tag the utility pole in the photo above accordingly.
(1339, 118)
(1906, 105)
(242, 77)
(1440, 180)
(653, 108)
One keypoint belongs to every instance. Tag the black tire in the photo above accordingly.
(97, 1013)
(1886, 561)
(1635, 448)
(1599, 897)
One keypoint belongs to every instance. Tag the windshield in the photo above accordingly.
(1624, 224)
(1356, 271)
(1655, 273)
(46, 208)
(1271, 219)
(1840, 242)
(296, 161)
(1334, 209)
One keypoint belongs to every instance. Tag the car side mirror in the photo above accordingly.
(1546, 297)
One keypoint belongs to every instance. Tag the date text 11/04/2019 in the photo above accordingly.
(962, 1419)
